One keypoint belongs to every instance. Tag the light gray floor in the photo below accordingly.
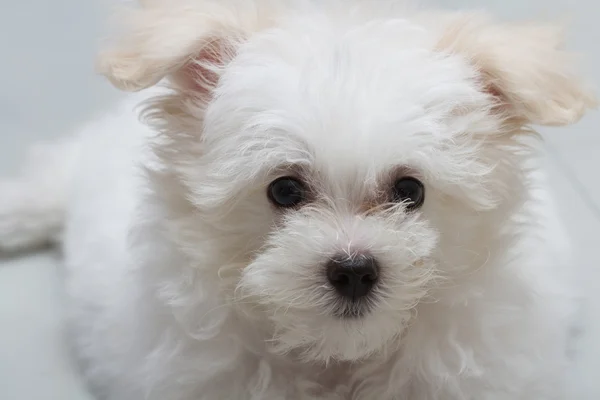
(48, 88)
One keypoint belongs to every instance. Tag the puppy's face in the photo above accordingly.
(348, 168)
(355, 165)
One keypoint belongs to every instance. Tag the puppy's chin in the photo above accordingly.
(331, 339)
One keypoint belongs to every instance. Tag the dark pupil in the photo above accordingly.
(409, 191)
(286, 192)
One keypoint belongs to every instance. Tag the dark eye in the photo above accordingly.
(286, 192)
(409, 191)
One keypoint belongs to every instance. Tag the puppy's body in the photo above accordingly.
(187, 282)
(147, 320)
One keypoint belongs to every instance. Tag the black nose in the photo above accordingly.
(353, 277)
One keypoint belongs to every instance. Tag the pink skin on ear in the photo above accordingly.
(200, 75)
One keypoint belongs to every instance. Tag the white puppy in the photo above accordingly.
(332, 200)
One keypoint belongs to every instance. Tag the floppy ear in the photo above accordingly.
(524, 66)
(187, 40)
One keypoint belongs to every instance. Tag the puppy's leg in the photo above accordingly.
(32, 205)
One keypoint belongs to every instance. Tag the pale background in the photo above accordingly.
(48, 88)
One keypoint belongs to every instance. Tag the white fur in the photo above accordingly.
(186, 284)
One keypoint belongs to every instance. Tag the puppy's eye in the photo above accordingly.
(286, 192)
(409, 191)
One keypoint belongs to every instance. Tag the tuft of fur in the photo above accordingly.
(186, 283)
(543, 88)
(32, 206)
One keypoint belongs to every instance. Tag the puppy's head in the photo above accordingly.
(343, 161)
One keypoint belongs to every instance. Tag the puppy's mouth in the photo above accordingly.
(353, 309)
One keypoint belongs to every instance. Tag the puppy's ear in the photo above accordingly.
(189, 41)
(524, 66)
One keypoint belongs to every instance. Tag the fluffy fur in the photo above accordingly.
(186, 283)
